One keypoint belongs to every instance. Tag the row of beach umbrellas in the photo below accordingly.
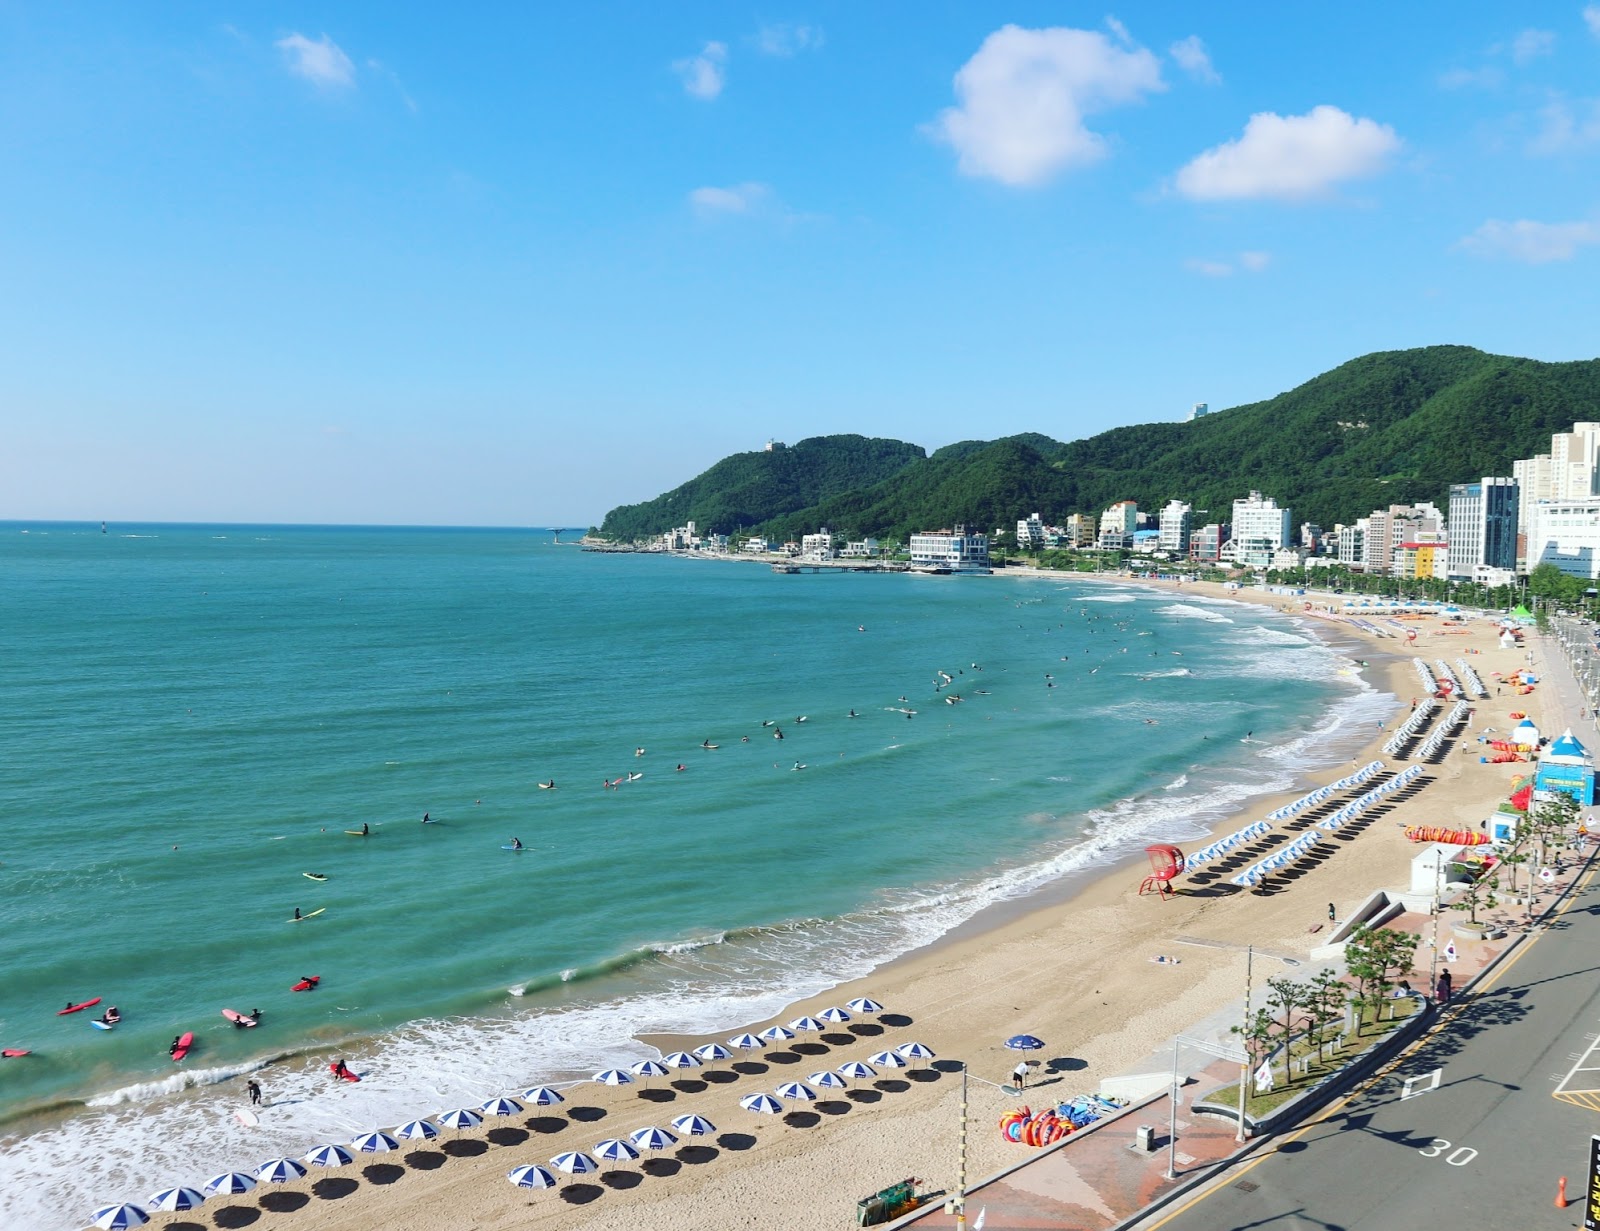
(1359, 805)
(1442, 670)
(1420, 718)
(1429, 685)
(1435, 741)
(1470, 677)
(282, 1170)
(1223, 845)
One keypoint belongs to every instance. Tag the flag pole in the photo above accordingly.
(1244, 1038)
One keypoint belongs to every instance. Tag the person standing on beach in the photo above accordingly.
(254, 1087)
(1019, 1075)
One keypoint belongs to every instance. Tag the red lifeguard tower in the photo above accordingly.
(1166, 862)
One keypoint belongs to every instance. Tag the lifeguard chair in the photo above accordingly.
(1166, 862)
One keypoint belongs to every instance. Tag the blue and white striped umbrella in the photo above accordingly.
(170, 1200)
(374, 1143)
(806, 1025)
(279, 1171)
(574, 1163)
(612, 1077)
(915, 1051)
(777, 1034)
(229, 1184)
(542, 1096)
(712, 1052)
(827, 1079)
(652, 1138)
(861, 1004)
(501, 1107)
(647, 1069)
(855, 1070)
(330, 1156)
(693, 1125)
(796, 1092)
(459, 1119)
(888, 1060)
(763, 1103)
(614, 1150)
(417, 1130)
(746, 1042)
(834, 1016)
(116, 1217)
(1025, 1042)
(531, 1177)
(680, 1060)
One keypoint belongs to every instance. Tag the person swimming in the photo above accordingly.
(777, 733)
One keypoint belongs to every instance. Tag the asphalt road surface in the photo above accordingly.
(1469, 1131)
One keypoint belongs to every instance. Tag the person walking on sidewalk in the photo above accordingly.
(1442, 990)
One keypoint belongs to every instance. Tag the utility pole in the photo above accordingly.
(1244, 1065)
(961, 1167)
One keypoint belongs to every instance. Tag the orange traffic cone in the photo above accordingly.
(1561, 1194)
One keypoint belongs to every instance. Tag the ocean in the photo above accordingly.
(195, 716)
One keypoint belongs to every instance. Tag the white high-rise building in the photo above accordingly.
(1483, 526)
(1569, 472)
(1175, 523)
(1260, 528)
(1199, 411)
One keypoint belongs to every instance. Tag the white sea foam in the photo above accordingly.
(1106, 598)
(1188, 611)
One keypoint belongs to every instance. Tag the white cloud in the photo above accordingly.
(786, 40)
(746, 198)
(1209, 269)
(1531, 44)
(1591, 17)
(1565, 126)
(1120, 30)
(319, 61)
(1536, 243)
(1249, 262)
(1290, 158)
(703, 74)
(1192, 58)
(1486, 78)
(1024, 96)
(1255, 262)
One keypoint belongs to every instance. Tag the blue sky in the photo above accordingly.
(359, 262)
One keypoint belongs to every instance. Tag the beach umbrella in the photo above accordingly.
(115, 1217)
(777, 1034)
(169, 1200)
(888, 1060)
(501, 1107)
(329, 1156)
(712, 1052)
(279, 1171)
(574, 1163)
(229, 1183)
(612, 1077)
(806, 1024)
(693, 1125)
(746, 1042)
(1025, 1042)
(834, 1016)
(614, 1150)
(680, 1060)
(764, 1103)
(459, 1119)
(652, 1138)
(374, 1143)
(648, 1069)
(827, 1079)
(915, 1051)
(542, 1096)
(531, 1177)
(417, 1130)
(855, 1070)
(796, 1092)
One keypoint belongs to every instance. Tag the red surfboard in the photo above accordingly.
(185, 1042)
(76, 1008)
(12, 1052)
(347, 1074)
(305, 985)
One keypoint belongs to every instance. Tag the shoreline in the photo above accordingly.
(1095, 892)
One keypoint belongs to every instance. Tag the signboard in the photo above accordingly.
(1591, 1190)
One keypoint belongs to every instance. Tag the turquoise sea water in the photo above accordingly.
(195, 715)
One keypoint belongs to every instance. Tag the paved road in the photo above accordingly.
(1517, 1099)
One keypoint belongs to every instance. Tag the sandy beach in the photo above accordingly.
(1079, 974)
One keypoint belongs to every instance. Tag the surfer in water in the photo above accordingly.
(111, 1016)
(297, 912)
(364, 830)
(254, 1087)
(777, 732)
(516, 844)
(426, 819)
(339, 1069)
(173, 1050)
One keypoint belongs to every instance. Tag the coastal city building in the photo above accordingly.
(860, 549)
(1117, 525)
(1175, 527)
(818, 546)
(1570, 471)
(1566, 533)
(1198, 411)
(1422, 558)
(1079, 531)
(1483, 525)
(755, 546)
(1206, 543)
(1260, 527)
(950, 551)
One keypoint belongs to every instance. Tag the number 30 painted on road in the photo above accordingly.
(1458, 1157)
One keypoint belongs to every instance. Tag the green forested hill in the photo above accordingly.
(1388, 428)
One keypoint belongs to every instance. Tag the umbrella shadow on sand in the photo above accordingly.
(284, 1203)
(892, 1085)
(545, 1124)
(864, 1096)
(896, 1020)
(864, 1030)
(832, 1107)
(751, 1068)
(658, 1096)
(586, 1115)
(837, 1038)
(736, 1141)
(382, 1173)
(694, 1156)
(424, 1160)
(689, 1085)
(622, 1180)
(802, 1119)
(186, 1226)
(1065, 1064)
(809, 1049)
(925, 1075)
(335, 1187)
(581, 1194)
(720, 1077)
(507, 1136)
(467, 1147)
(230, 1217)
(661, 1167)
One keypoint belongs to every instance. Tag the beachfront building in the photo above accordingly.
(1566, 533)
(1570, 471)
(954, 551)
(1206, 543)
(1260, 527)
(1312, 537)
(1079, 531)
(1030, 533)
(1117, 525)
(755, 546)
(1371, 549)
(1175, 527)
(860, 549)
(1565, 768)
(1483, 525)
(1423, 558)
(818, 546)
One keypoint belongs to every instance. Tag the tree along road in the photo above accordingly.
(1472, 1127)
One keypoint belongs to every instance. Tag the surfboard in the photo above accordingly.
(348, 1075)
(306, 985)
(356, 833)
(505, 847)
(314, 876)
(246, 1118)
(11, 1053)
(310, 914)
(100, 1025)
(185, 1042)
(233, 1015)
(78, 1008)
